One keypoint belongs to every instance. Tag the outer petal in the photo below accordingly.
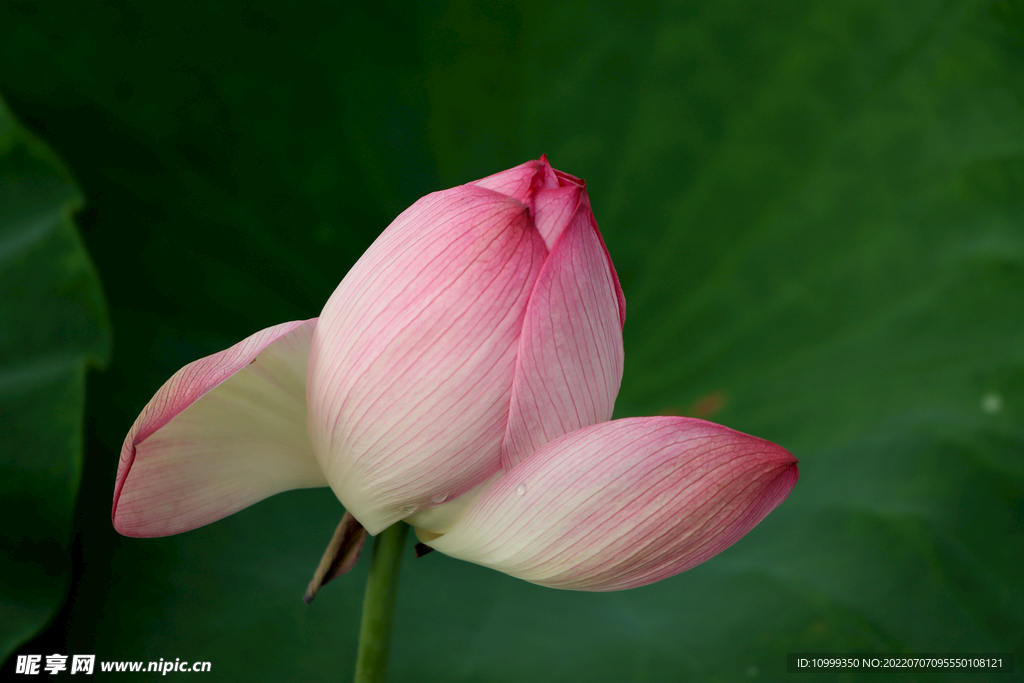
(412, 362)
(221, 434)
(570, 359)
(623, 504)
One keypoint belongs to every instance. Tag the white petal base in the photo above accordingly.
(233, 432)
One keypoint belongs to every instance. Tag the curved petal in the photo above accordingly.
(222, 433)
(570, 359)
(412, 361)
(521, 181)
(623, 504)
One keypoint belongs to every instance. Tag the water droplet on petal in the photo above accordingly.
(408, 508)
(521, 489)
(439, 498)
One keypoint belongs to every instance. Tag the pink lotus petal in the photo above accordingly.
(222, 433)
(557, 209)
(412, 361)
(570, 358)
(522, 181)
(623, 504)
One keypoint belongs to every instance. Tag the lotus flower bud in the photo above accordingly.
(483, 323)
(461, 377)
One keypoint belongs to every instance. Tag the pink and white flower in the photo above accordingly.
(461, 377)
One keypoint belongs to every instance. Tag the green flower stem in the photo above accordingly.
(379, 605)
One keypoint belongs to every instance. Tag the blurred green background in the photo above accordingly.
(817, 212)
